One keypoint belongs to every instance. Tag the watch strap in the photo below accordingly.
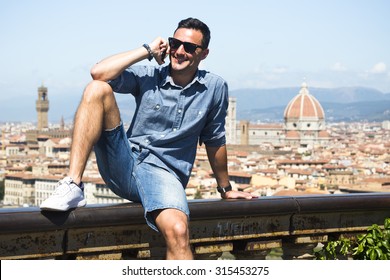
(223, 190)
(147, 47)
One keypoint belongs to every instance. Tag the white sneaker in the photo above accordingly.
(67, 195)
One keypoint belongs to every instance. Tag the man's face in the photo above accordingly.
(182, 60)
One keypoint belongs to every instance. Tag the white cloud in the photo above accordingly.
(336, 75)
(339, 67)
(378, 68)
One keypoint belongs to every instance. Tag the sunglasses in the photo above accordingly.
(188, 47)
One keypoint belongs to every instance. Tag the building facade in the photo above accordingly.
(304, 120)
(304, 124)
(43, 131)
(231, 121)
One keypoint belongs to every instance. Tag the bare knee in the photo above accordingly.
(178, 232)
(97, 91)
(173, 224)
(99, 100)
(178, 242)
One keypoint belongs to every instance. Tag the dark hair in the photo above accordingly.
(193, 23)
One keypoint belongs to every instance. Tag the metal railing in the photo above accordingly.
(240, 229)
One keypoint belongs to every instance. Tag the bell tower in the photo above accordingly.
(42, 106)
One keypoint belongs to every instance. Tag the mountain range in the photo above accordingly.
(257, 105)
(339, 104)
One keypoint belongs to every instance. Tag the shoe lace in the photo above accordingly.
(63, 187)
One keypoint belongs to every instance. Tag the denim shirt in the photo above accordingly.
(169, 120)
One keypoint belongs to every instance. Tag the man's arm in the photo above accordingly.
(112, 66)
(218, 160)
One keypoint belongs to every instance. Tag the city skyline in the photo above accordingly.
(266, 44)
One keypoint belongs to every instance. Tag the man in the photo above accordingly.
(177, 106)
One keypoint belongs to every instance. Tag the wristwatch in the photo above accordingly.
(223, 190)
(146, 46)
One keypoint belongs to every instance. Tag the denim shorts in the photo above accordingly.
(124, 171)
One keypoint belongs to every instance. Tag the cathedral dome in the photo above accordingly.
(304, 106)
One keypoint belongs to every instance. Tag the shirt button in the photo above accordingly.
(146, 141)
(179, 111)
(174, 129)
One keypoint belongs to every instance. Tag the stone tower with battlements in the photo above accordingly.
(42, 107)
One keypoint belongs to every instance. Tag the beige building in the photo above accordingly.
(304, 120)
(43, 131)
(304, 124)
(19, 190)
(231, 121)
(26, 189)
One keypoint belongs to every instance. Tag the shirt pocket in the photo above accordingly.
(194, 119)
(154, 117)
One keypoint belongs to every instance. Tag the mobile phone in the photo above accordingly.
(163, 56)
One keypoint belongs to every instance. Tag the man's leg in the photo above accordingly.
(97, 111)
(173, 224)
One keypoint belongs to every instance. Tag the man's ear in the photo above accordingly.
(205, 53)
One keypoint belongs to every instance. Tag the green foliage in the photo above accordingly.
(373, 245)
(1, 189)
(198, 194)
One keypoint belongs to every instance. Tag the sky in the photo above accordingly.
(254, 43)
